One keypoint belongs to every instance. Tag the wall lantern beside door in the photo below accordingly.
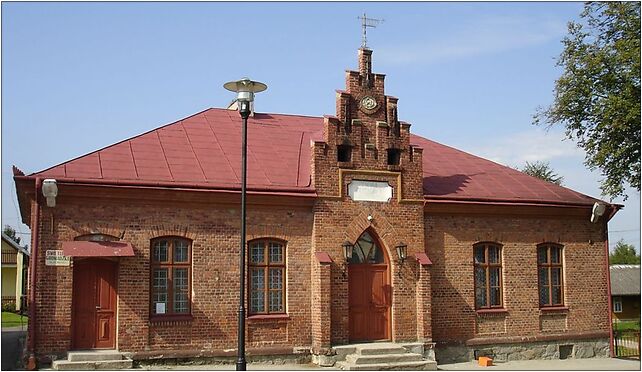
(347, 255)
(347, 251)
(402, 252)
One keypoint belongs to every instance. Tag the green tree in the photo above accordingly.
(542, 170)
(597, 98)
(624, 254)
(11, 233)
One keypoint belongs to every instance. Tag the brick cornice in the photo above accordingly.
(505, 209)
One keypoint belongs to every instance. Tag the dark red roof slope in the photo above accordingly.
(204, 150)
(453, 174)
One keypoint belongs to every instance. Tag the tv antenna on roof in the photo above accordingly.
(365, 23)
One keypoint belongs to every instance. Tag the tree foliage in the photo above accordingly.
(624, 254)
(11, 233)
(597, 98)
(542, 170)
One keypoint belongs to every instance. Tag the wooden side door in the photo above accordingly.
(379, 302)
(94, 304)
(359, 302)
(369, 302)
(83, 320)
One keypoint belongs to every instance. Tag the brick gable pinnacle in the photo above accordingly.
(365, 134)
(367, 118)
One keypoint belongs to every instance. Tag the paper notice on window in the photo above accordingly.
(160, 308)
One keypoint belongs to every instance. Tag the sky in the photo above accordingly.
(77, 77)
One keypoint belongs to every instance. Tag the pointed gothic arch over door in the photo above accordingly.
(370, 294)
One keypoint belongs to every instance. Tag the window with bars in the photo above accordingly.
(171, 266)
(266, 277)
(488, 275)
(550, 275)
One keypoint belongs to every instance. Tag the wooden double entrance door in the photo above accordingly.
(94, 304)
(369, 292)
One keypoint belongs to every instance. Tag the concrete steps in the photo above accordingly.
(400, 366)
(92, 360)
(383, 356)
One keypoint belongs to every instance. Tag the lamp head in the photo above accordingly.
(50, 191)
(402, 251)
(347, 250)
(598, 211)
(245, 89)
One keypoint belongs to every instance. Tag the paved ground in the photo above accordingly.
(590, 364)
(11, 347)
(595, 364)
(250, 367)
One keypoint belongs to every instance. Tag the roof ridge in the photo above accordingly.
(270, 113)
(119, 142)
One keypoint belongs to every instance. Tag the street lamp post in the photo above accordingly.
(245, 89)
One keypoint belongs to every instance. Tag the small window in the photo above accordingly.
(171, 267)
(617, 304)
(344, 153)
(394, 155)
(266, 277)
(97, 238)
(488, 275)
(550, 275)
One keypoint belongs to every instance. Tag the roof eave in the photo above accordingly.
(277, 190)
(505, 202)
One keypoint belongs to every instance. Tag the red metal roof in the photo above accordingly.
(453, 174)
(97, 249)
(423, 259)
(204, 150)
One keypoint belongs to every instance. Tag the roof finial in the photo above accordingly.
(365, 23)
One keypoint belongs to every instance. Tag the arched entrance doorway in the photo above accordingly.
(369, 291)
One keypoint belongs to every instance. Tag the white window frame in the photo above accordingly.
(617, 304)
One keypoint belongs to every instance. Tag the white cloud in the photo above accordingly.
(533, 145)
(486, 35)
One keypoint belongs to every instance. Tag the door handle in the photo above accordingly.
(97, 307)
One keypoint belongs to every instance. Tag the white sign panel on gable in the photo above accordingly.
(378, 191)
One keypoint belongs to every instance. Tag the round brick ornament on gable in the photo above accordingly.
(368, 104)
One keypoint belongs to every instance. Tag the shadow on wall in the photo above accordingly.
(435, 185)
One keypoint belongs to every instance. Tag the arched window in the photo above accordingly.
(488, 275)
(366, 251)
(171, 266)
(550, 275)
(266, 277)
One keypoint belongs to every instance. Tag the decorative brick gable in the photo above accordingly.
(366, 123)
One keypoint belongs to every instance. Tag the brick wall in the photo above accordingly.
(428, 302)
(449, 241)
(214, 230)
(337, 218)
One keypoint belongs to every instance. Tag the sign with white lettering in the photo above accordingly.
(56, 258)
(378, 191)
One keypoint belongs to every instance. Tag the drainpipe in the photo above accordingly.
(35, 232)
(608, 285)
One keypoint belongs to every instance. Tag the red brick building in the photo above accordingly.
(497, 262)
